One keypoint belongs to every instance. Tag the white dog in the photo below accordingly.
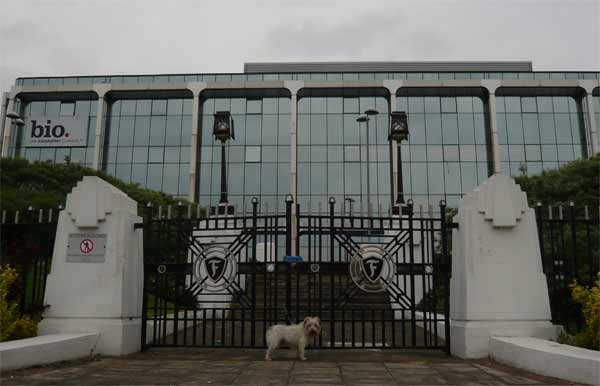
(294, 336)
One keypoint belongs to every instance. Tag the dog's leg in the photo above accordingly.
(268, 355)
(301, 351)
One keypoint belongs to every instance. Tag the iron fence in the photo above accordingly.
(569, 238)
(26, 244)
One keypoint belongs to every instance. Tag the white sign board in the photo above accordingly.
(86, 248)
(43, 131)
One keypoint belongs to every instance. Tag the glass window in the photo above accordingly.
(269, 105)
(171, 154)
(335, 105)
(67, 108)
(159, 107)
(318, 153)
(144, 107)
(175, 106)
(155, 172)
(157, 130)
(269, 130)
(450, 128)
(156, 154)
(432, 104)
(253, 129)
(352, 153)
(252, 153)
(140, 154)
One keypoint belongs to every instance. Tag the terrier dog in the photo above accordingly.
(294, 336)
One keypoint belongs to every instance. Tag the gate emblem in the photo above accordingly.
(372, 269)
(215, 269)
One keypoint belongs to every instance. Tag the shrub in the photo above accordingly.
(46, 185)
(13, 325)
(575, 181)
(589, 299)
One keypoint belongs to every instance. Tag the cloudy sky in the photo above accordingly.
(83, 37)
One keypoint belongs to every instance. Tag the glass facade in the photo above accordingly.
(258, 158)
(148, 136)
(596, 98)
(57, 108)
(332, 151)
(132, 79)
(446, 154)
(539, 132)
(147, 141)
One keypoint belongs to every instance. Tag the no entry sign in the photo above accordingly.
(86, 248)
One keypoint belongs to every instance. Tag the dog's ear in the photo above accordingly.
(306, 320)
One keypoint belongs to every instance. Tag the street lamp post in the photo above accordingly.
(366, 117)
(398, 132)
(223, 130)
(15, 119)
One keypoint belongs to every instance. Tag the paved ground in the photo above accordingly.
(246, 367)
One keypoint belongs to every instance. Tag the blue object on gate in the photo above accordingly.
(292, 259)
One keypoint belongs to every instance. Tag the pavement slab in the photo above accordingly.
(192, 366)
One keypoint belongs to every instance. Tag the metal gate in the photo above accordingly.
(378, 281)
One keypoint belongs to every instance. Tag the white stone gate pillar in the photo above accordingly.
(96, 280)
(498, 287)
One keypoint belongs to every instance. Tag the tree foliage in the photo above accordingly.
(46, 185)
(589, 299)
(577, 181)
(13, 325)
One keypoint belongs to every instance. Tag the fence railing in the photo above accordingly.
(27, 243)
(569, 238)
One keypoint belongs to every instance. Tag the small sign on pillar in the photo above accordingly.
(86, 248)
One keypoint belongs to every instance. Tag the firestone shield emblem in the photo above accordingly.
(215, 269)
(372, 269)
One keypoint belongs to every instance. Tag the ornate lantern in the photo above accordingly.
(223, 129)
(398, 126)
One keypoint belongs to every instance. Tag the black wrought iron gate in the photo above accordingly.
(222, 281)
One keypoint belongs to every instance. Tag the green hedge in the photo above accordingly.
(577, 181)
(46, 185)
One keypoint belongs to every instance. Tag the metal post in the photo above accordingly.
(400, 182)
(368, 174)
(253, 311)
(331, 275)
(574, 263)
(223, 199)
(593, 130)
(147, 226)
(447, 273)
(3, 111)
(413, 314)
(288, 268)
(8, 128)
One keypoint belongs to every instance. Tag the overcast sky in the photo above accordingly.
(85, 37)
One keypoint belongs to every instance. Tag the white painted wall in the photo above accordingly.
(103, 297)
(548, 358)
(498, 287)
(45, 349)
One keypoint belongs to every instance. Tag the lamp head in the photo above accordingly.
(12, 115)
(398, 126)
(223, 127)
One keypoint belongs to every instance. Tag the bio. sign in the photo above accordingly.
(42, 131)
